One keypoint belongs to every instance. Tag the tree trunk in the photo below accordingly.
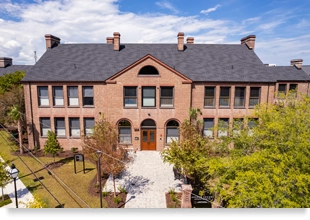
(20, 138)
(114, 185)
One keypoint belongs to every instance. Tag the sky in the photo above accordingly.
(281, 26)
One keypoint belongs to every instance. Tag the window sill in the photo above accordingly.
(148, 107)
(44, 106)
(61, 137)
(209, 107)
(224, 107)
(241, 107)
(73, 106)
(58, 106)
(126, 144)
(75, 137)
(251, 107)
(43, 136)
(88, 106)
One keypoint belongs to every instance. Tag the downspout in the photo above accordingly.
(268, 93)
(31, 113)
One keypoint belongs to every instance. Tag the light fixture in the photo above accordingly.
(14, 173)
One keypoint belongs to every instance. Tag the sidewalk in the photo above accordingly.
(146, 180)
(23, 194)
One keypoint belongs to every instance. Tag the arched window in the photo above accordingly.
(172, 131)
(148, 123)
(148, 70)
(124, 132)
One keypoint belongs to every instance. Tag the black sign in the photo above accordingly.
(201, 201)
(79, 158)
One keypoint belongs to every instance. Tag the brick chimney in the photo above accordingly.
(5, 62)
(110, 40)
(297, 63)
(190, 40)
(180, 41)
(249, 41)
(117, 41)
(51, 41)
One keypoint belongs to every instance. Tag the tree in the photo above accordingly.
(105, 139)
(12, 102)
(191, 153)
(4, 177)
(52, 145)
(268, 165)
(36, 202)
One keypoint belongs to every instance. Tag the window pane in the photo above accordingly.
(89, 122)
(239, 102)
(73, 91)
(166, 101)
(148, 92)
(43, 91)
(88, 101)
(59, 101)
(225, 91)
(152, 136)
(253, 101)
(74, 122)
(209, 91)
(173, 132)
(61, 132)
(130, 91)
(293, 86)
(148, 101)
(44, 101)
(144, 136)
(45, 122)
(130, 102)
(209, 102)
(124, 130)
(88, 91)
(167, 91)
(75, 132)
(208, 123)
(73, 101)
(224, 101)
(169, 139)
(282, 87)
(45, 131)
(60, 122)
(239, 92)
(58, 91)
(223, 123)
(254, 92)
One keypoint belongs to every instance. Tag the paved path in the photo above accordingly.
(146, 180)
(23, 194)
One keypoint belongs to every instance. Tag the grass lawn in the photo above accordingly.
(79, 183)
(7, 200)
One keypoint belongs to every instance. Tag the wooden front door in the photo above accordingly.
(148, 139)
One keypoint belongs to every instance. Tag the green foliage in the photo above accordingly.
(8, 81)
(35, 203)
(4, 177)
(73, 149)
(105, 193)
(117, 200)
(171, 191)
(122, 189)
(191, 154)
(268, 165)
(52, 145)
(5, 200)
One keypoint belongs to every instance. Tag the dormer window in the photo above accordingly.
(148, 70)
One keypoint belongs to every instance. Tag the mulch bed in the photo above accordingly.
(92, 190)
(172, 204)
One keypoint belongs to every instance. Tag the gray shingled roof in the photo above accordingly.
(13, 68)
(306, 69)
(199, 62)
(289, 73)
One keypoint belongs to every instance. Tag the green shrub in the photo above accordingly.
(122, 189)
(73, 149)
(171, 191)
(6, 201)
(105, 193)
(117, 199)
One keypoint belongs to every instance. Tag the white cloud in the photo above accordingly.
(251, 20)
(167, 5)
(210, 9)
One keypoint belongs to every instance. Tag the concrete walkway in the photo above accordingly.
(146, 180)
(23, 194)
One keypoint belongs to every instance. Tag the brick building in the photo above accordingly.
(146, 90)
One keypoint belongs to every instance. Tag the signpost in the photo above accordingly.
(204, 201)
(79, 158)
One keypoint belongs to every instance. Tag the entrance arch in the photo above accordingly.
(148, 135)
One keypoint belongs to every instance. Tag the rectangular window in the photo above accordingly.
(88, 95)
(239, 96)
(74, 124)
(208, 124)
(293, 87)
(282, 89)
(45, 124)
(223, 127)
(73, 96)
(209, 96)
(224, 96)
(58, 96)
(60, 127)
(238, 125)
(124, 135)
(130, 96)
(89, 124)
(149, 96)
(43, 96)
(166, 96)
(254, 96)
(252, 122)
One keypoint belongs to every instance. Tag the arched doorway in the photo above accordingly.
(148, 135)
